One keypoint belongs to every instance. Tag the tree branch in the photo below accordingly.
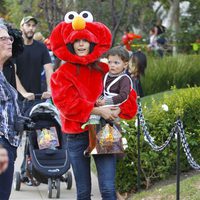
(118, 22)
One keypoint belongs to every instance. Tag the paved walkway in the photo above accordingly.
(40, 192)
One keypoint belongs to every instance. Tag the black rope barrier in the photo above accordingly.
(181, 138)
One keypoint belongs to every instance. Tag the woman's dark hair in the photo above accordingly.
(119, 51)
(18, 44)
(140, 61)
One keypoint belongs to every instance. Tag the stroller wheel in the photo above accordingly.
(17, 181)
(57, 188)
(68, 179)
(49, 188)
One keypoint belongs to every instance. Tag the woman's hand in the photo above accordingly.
(106, 113)
(115, 111)
(110, 113)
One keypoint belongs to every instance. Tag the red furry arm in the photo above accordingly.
(69, 100)
(129, 107)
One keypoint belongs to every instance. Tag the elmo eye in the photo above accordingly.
(87, 16)
(70, 16)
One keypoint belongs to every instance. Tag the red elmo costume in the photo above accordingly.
(76, 85)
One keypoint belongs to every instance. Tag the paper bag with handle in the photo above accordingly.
(105, 138)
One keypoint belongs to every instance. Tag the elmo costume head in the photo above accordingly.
(80, 27)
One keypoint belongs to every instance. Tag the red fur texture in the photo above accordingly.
(84, 86)
(94, 32)
(76, 85)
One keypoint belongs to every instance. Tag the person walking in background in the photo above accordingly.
(29, 66)
(9, 114)
(30, 63)
(137, 66)
(159, 30)
(153, 45)
(157, 39)
(76, 85)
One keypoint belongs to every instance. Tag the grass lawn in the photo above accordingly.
(157, 97)
(189, 189)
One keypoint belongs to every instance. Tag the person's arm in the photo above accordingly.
(110, 113)
(48, 72)
(21, 89)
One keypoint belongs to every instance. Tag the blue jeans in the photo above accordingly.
(6, 178)
(105, 164)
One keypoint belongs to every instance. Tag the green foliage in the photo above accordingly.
(179, 71)
(2, 9)
(184, 103)
(16, 10)
(138, 17)
(187, 35)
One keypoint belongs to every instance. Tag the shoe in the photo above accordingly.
(32, 182)
(29, 182)
(24, 178)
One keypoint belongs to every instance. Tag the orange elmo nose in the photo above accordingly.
(78, 23)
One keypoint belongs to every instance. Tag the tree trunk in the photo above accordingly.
(173, 16)
(116, 19)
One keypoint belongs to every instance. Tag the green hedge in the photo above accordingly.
(179, 71)
(158, 165)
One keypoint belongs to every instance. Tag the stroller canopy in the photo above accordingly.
(47, 108)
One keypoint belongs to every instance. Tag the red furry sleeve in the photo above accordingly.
(70, 101)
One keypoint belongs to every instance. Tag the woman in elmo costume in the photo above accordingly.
(76, 86)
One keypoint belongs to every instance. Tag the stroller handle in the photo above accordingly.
(37, 97)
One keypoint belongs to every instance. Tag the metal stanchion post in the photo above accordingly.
(178, 166)
(138, 144)
(136, 83)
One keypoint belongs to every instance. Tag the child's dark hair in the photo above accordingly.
(119, 51)
(140, 61)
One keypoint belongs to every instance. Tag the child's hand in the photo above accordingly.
(100, 102)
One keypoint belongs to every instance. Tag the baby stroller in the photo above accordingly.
(46, 164)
